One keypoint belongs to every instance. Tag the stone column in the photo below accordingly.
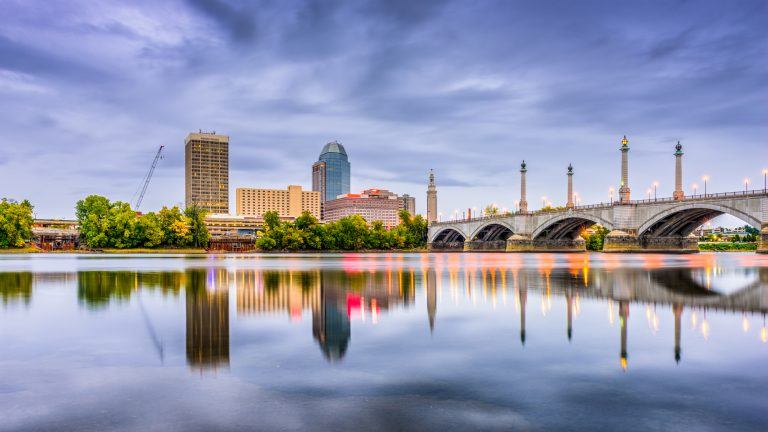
(624, 189)
(523, 201)
(678, 194)
(569, 204)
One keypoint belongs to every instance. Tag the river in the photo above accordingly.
(384, 342)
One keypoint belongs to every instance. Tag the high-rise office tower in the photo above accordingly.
(331, 172)
(207, 171)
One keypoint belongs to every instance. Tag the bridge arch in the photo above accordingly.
(567, 226)
(492, 231)
(682, 220)
(448, 235)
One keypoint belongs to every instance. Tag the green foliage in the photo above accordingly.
(15, 223)
(491, 210)
(727, 246)
(198, 232)
(550, 209)
(115, 224)
(595, 239)
(348, 233)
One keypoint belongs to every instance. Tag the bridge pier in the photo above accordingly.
(439, 246)
(520, 243)
(485, 245)
(622, 241)
(762, 240)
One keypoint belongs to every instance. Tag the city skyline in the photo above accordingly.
(281, 82)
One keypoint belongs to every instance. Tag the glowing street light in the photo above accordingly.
(695, 187)
(611, 190)
(746, 184)
(649, 193)
(543, 201)
(655, 185)
(705, 179)
(765, 180)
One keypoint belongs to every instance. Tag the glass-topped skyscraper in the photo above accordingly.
(330, 174)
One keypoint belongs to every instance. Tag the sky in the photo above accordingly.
(89, 91)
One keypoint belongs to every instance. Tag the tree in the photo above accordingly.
(350, 232)
(198, 232)
(174, 226)
(15, 223)
(121, 228)
(491, 210)
(596, 238)
(93, 215)
(148, 231)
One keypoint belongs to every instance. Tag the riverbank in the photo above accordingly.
(727, 247)
(199, 251)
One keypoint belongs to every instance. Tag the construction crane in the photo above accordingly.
(148, 177)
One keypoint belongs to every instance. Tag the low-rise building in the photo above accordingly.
(372, 204)
(223, 225)
(288, 203)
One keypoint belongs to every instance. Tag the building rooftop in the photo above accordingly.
(333, 147)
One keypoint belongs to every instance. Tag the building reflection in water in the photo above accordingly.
(207, 317)
(337, 298)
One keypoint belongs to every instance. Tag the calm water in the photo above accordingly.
(384, 342)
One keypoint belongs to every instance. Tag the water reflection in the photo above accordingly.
(16, 287)
(207, 318)
(339, 297)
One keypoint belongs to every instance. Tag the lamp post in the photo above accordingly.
(543, 201)
(655, 185)
(695, 187)
(765, 180)
(610, 194)
(705, 179)
(746, 184)
(517, 205)
(649, 193)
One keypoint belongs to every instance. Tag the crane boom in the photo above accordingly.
(148, 177)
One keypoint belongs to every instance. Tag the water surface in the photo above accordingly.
(384, 342)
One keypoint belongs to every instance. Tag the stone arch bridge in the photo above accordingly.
(656, 225)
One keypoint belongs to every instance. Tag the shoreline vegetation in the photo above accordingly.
(114, 228)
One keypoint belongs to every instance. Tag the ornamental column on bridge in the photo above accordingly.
(678, 194)
(569, 204)
(523, 201)
(624, 189)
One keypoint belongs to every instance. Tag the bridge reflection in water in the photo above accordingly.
(365, 289)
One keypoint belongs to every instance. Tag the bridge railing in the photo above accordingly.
(696, 197)
(701, 197)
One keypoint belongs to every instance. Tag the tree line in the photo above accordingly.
(105, 224)
(15, 223)
(348, 233)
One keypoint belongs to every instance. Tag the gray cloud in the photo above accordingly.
(467, 89)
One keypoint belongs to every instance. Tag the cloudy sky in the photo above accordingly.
(89, 90)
